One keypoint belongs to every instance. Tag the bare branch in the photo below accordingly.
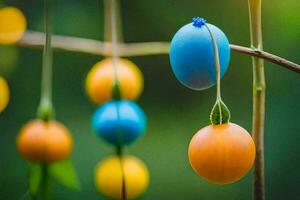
(94, 47)
(267, 56)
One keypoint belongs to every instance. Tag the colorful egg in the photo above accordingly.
(12, 25)
(108, 177)
(119, 122)
(44, 142)
(4, 94)
(192, 54)
(222, 154)
(100, 80)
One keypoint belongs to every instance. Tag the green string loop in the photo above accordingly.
(220, 113)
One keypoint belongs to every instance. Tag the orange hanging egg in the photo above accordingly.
(44, 142)
(100, 80)
(12, 25)
(222, 154)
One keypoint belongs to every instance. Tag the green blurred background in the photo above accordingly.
(174, 112)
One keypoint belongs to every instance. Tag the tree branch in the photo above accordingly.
(267, 56)
(259, 100)
(76, 44)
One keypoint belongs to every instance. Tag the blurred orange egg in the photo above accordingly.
(44, 142)
(100, 80)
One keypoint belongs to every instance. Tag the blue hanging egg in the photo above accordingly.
(192, 54)
(119, 122)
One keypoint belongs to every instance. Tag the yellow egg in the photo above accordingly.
(12, 25)
(4, 94)
(108, 177)
(100, 80)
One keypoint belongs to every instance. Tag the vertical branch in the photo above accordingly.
(45, 109)
(259, 87)
(107, 20)
(45, 189)
(120, 154)
(113, 33)
(114, 38)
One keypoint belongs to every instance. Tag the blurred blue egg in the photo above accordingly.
(119, 122)
(192, 54)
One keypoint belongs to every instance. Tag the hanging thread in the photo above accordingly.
(116, 86)
(45, 109)
(220, 113)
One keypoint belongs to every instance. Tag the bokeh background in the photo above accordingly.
(174, 112)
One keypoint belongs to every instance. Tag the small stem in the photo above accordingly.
(217, 62)
(45, 109)
(108, 17)
(45, 189)
(259, 87)
(113, 34)
(119, 152)
(114, 40)
(216, 116)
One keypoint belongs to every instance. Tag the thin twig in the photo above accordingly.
(76, 44)
(267, 56)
